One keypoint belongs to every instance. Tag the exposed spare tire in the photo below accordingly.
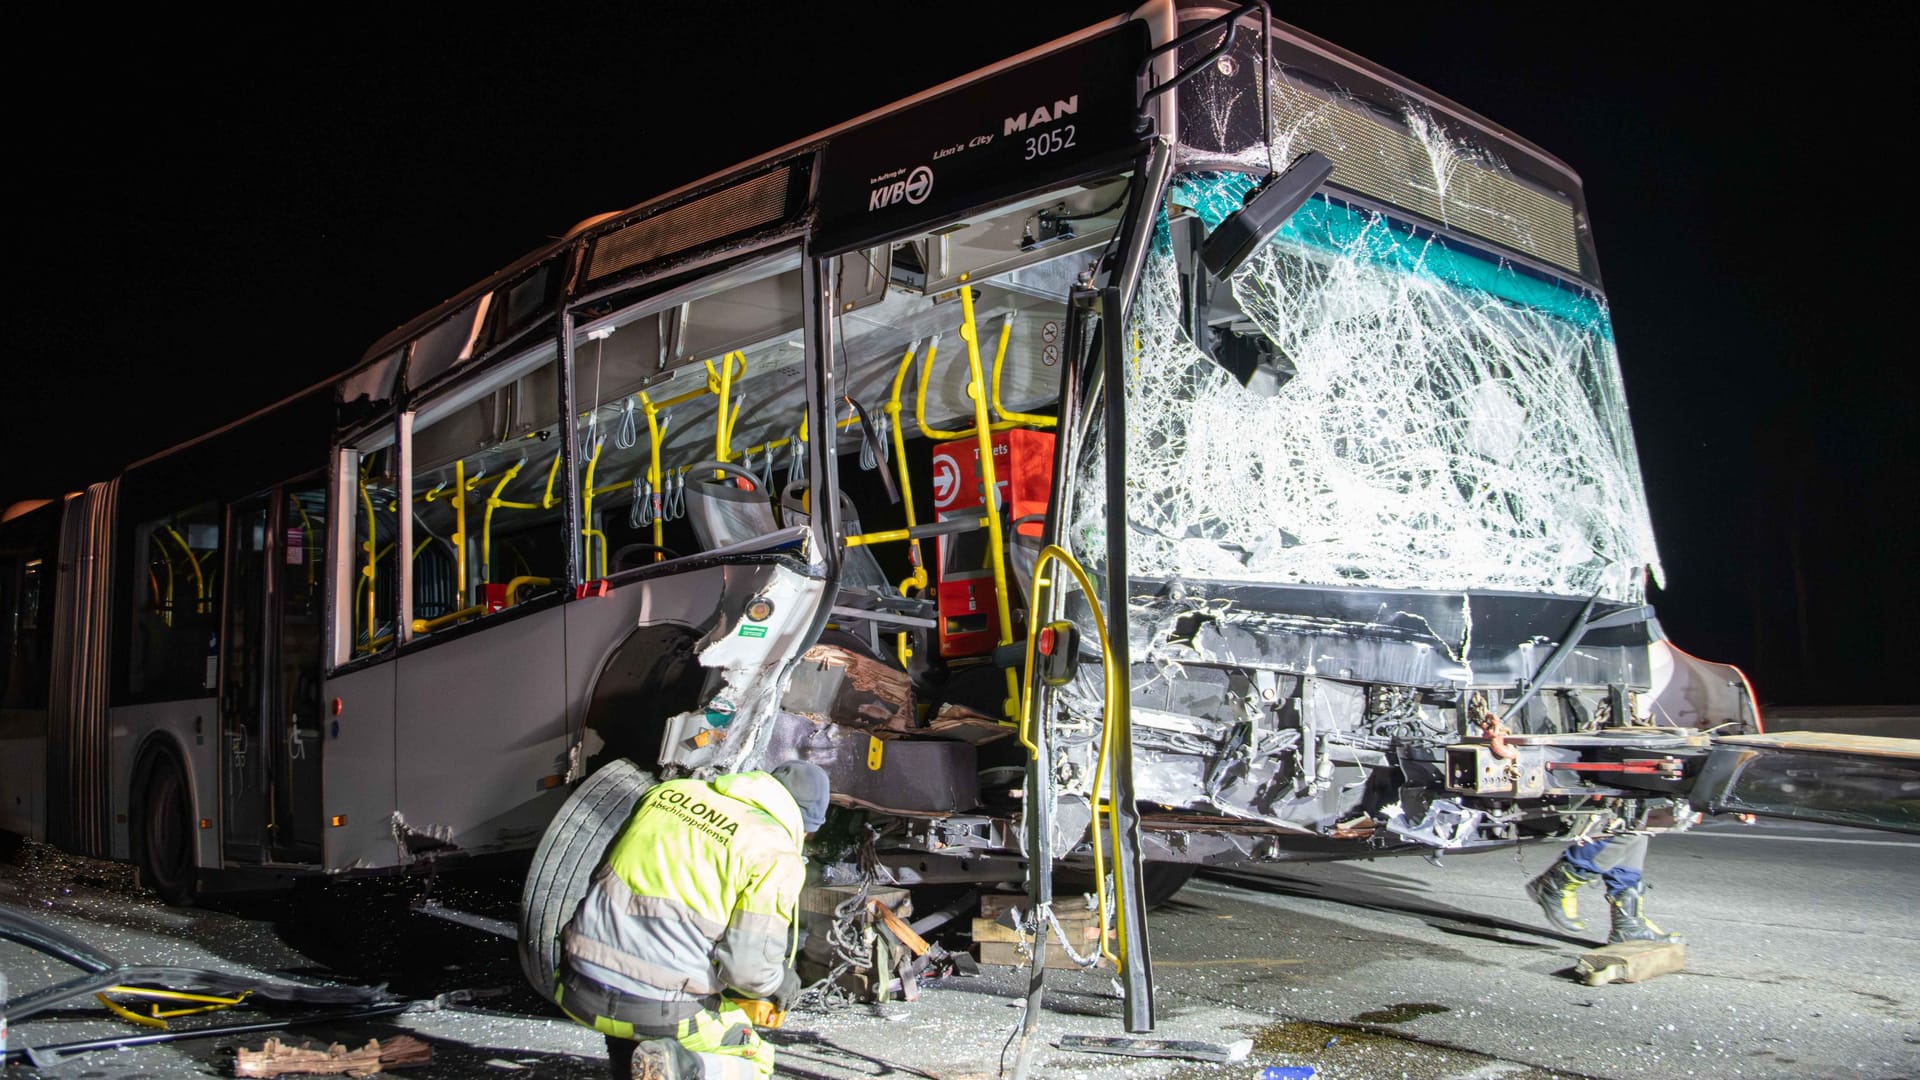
(564, 863)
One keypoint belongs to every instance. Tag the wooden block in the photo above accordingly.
(994, 930)
(1007, 954)
(1630, 962)
(822, 899)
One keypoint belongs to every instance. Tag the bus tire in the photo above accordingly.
(162, 836)
(1164, 880)
(564, 863)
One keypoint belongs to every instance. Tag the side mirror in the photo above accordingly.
(1205, 262)
(1267, 207)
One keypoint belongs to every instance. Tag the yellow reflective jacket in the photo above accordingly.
(699, 894)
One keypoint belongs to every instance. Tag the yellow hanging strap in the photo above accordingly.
(1110, 671)
(996, 539)
(999, 357)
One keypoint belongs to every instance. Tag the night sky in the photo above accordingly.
(215, 216)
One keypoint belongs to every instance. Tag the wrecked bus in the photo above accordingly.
(1181, 443)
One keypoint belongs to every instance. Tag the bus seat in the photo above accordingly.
(859, 568)
(722, 511)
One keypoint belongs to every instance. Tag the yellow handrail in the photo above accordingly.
(917, 580)
(983, 431)
(654, 475)
(1111, 672)
(368, 574)
(887, 536)
(999, 355)
(721, 383)
(199, 579)
(495, 502)
(421, 626)
(586, 515)
(553, 470)
(460, 526)
(926, 374)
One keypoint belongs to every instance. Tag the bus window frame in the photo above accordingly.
(710, 275)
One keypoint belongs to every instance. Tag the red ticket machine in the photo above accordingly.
(1023, 467)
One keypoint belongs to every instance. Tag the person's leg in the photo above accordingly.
(1618, 859)
(1554, 889)
(1623, 865)
(726, 1045)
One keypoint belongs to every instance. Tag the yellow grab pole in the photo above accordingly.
(1111, 672)
(918, 579)
(460, 525)
(999, 356)
(369, 572)
(983, 433)
(653, 469)
(926, 375)
(494, 502)
(587, 531)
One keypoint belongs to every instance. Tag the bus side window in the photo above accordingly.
(372, 594)
(487, 510)
(174, 652)
(690, 416)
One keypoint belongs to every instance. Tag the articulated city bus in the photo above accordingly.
(1185, 420)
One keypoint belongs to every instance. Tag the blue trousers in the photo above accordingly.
(1618, 858)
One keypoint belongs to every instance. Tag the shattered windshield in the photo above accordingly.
(1443, 419)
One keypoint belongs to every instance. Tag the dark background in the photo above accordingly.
(214, 216)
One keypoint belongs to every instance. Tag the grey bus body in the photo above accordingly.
(634, 497)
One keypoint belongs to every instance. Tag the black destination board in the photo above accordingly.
(1014, 131)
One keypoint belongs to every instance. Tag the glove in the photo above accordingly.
(789, 993)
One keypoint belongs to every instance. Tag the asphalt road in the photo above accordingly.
(1803, 960)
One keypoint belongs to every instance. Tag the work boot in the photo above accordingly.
(659, 1059)
(1629, 922)
(1554, 891)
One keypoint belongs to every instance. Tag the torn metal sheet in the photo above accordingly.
(1446, 825)
(730, 731)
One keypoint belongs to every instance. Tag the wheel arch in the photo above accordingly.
(652, 674)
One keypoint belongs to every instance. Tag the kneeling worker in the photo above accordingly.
(694, 910)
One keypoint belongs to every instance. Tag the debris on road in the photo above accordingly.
(278, 1059)
(1630, 962)
(1190, 1049)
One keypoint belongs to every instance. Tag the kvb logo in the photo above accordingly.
(914, 189)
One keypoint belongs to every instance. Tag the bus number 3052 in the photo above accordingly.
(1049, 142)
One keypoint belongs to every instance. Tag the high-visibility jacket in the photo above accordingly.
(699, 894)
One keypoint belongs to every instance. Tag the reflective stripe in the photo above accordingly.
(752, 962)
(660, 907)
(635, 968)
(753, 922)
(699, 892)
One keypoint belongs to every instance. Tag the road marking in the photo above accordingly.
(1801, 839)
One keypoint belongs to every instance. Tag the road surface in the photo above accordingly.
(1803, 960)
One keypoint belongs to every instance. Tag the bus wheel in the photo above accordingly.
(163, 833)
(1163, 880)
(564, 863)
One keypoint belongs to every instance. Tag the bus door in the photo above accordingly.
(270, 711)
